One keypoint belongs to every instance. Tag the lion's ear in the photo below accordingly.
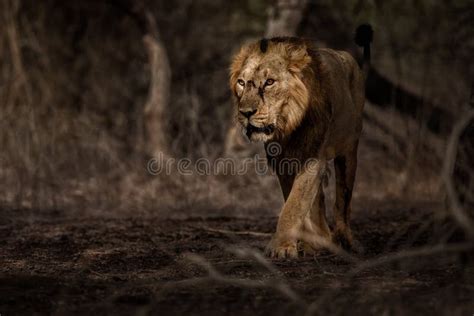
(237, 63)
(298, 58)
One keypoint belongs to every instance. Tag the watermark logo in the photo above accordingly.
(273, 149)
(271, 164)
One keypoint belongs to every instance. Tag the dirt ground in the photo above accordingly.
(57, 264)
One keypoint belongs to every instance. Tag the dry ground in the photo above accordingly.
(57, 264)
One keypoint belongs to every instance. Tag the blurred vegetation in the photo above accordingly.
(75, 76)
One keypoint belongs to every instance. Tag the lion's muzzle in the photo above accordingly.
(267, 130)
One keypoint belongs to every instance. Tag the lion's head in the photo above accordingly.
(267, 81)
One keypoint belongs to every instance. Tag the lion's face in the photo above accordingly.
(266, 86)
(262, 90)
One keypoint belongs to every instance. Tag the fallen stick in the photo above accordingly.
(231, 232)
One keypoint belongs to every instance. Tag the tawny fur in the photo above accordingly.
(314, 100)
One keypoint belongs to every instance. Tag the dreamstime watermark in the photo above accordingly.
(271, 164)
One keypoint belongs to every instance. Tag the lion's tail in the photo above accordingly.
(363, 38)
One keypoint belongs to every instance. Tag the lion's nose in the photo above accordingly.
(248, 114)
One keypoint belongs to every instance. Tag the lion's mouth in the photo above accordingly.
(267, 130)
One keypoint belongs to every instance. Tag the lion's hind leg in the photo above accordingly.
(345, 167)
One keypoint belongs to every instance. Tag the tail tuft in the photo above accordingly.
(364, 35)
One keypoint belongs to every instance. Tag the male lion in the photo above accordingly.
(308, 101)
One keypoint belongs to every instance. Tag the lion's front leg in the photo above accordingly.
(295, 211)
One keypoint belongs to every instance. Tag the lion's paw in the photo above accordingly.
(342, 240)
(281, 249)
(308, 250)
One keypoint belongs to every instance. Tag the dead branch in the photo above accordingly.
(398, 256)
(459, 214)
(256, 256)
(158, 93)
(20, 81)
(413, 253)
(230, 232)
(275, 283)
(284, 17)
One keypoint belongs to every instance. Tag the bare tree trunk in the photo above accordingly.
(284, 17)
(158, 95)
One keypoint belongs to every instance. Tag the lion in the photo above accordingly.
(309, 102)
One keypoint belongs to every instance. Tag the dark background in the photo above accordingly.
(90, 91)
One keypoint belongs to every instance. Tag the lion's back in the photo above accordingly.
(342, 79)
(343, 83)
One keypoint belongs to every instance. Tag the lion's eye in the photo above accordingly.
(269, 82)
(241, 82)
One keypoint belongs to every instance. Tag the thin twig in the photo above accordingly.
(276, 284)
(457, 210)
(231, 232)
(413, 253)
(256, 256)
